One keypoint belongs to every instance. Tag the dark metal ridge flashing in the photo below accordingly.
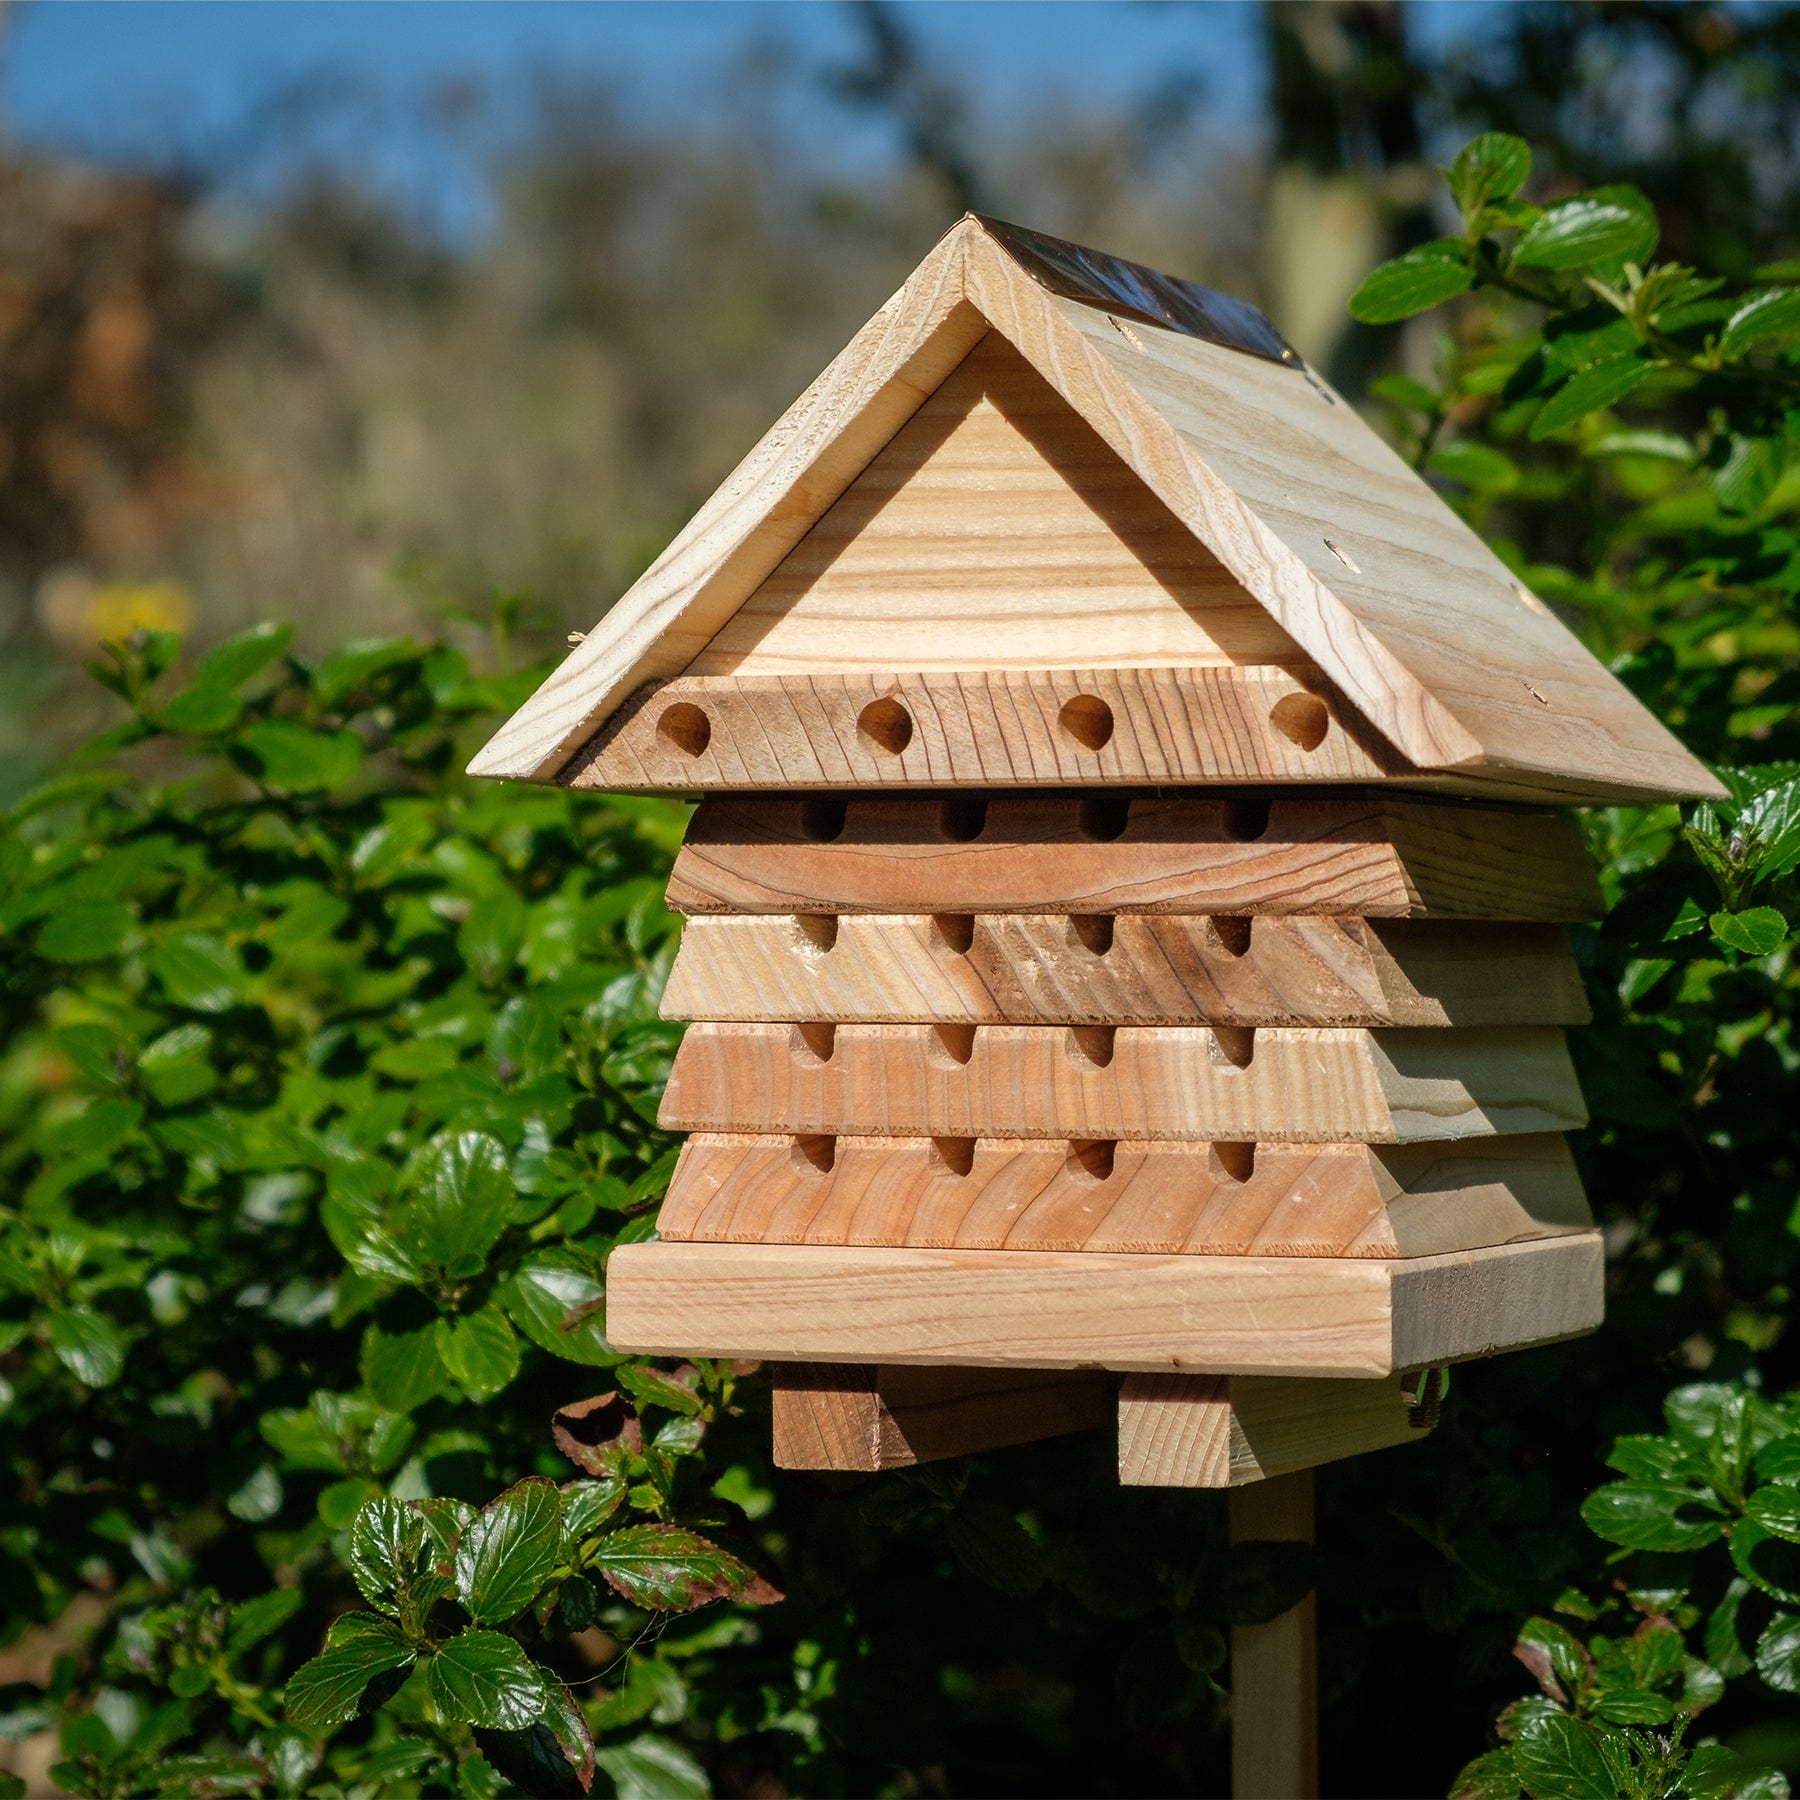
(1096, 279)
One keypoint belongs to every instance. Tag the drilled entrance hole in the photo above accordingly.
(813, 1154)
(813, 1041)
(822, 818)
(1303, 719)
(885, 725)
(1231, 934)
(1090, 1046)
(1093, 931)
(1088, 720)
(1234, 1045)
(952, 1156)
(820, 930)
(953, 1043)
(1091, 1159)
(686, 728)
(1235, 1162)
(1245, 820)
(954, 931)
(1103, 817)
(963, 818)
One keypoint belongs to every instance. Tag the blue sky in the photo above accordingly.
(163, 80)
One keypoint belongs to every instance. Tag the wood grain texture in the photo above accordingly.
(1221, 1431)
(1235, 1315)
(1406, 610)
(764, 507)
(1235, 1200)
(1048, 968)
(995, 530)
(1409, 615)
(1187, 854)
(851, 1416)
(1275, 1666)
(1020, 729)
(1138, 1081)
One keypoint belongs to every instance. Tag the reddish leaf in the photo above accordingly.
(667, 1568)
(592, 1433)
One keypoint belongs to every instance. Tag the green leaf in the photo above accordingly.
(462, 1199)
(238, 658)
(1493, 166)
(667, 1568)
(1587, 392)
(1715, 1772)
(1608, 226)
(1755, 932)
(1493, 1775)
(1479, 466)
(1778, 1654)
(1751, 470)
(1767, 1561)
(1412, 283)
(651, 1768)
(1558, 1759)
(86, 931)
(88, 1345)
(403, 1369)
(553, 1757)
(198, 971)
(484, 1678)
(261, 1617)
(202, 710)
(295, 758)
(1646, 1516)
(1554, 1656)
(988, 1541)
(385, 1543)
(1768, 315)
(1633, 1706)
(492, 934)
(508, 1550)
(479, 1350)
(554, 1300)
(360, 1670)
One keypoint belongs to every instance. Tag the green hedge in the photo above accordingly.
(329, 1082)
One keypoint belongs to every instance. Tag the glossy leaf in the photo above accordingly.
(1413, 283)
(1606, 226)
(355, 1675)
(666, 1568)
(507, 1550)
(484, 1678)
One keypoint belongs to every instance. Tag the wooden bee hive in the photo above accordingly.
(1126, 902)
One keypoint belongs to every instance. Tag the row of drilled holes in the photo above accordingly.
(1100, 818)
(1088, 1046)
(886, 727)
(955, 932)
(1089, 1158)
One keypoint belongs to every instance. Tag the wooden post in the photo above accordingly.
(1275, 1667)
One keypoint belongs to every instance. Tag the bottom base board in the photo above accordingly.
(1354, 1318)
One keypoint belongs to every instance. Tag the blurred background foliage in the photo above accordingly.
(227, 400)
(320, 408)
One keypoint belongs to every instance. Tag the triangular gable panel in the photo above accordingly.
(996, 530)
(1397, 602)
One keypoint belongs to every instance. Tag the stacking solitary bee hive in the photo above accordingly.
(1125, 908)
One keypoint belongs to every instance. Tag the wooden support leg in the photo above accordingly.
(1223, 1431)
(1274, 1667)
(859, 1416)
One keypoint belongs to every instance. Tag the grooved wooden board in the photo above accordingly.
(1138, 1081)
(995, 530)
(1050, 968)
(1080, 727)
(855, 1416)
(1236, 1315)
(1220, 1431)
(1238, 1200)
(1352, 854)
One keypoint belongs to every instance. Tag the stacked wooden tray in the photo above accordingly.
(1269, 1086)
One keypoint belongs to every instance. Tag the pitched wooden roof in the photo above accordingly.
(1424, 633)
